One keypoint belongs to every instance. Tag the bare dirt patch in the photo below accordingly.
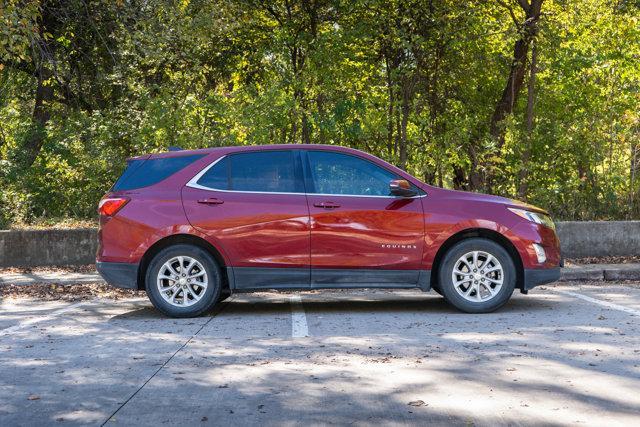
(56, 269)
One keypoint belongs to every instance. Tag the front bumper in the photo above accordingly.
(535, 277)
(119, 274)
(525, 234)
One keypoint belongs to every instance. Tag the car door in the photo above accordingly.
(360, 234)
(252, 204)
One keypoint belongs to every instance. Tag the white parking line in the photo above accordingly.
(299, 328)
(601, 302)
(35, 320)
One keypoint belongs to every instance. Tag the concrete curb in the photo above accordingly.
(50, 278)
(622, 272)
(590, 272)
(582, 273)
(598, 272)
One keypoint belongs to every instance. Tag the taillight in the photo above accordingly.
(111, 206)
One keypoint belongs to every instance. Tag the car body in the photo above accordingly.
(310, 217)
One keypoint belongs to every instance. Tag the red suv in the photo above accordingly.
(191, 226)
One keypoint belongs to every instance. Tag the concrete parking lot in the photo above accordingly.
(565, 354)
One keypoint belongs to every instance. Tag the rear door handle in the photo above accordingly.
(211, 201)
(326, 205)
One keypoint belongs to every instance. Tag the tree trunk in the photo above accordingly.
(523, 175)
(635, 148)
(3, 138)
(506, 104)
(404, 121)
(389, 109)
(475, 181)
(41, 116)
(514, 84)
(306, 129)
(43, 66)
(459, 179)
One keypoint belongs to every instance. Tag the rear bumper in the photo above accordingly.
(535, 277)
(119, 274)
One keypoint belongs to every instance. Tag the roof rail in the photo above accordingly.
(174, 148)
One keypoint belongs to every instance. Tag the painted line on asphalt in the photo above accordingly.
(39, 319)
(299, 328)
(600, 302)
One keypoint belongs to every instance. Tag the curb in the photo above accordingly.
(601, 272)
(62, 279)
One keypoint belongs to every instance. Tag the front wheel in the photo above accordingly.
(477, 276)
(183, 281)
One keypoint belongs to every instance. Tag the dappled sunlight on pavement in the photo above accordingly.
(371, 357)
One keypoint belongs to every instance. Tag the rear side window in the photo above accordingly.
(265, 172)
(145, 172)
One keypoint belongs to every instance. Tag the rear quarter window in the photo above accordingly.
(141, 173)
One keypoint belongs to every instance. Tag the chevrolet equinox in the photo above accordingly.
(190, 227)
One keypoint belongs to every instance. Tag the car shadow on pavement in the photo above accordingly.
(344, 303)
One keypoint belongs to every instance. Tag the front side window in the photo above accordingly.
(336, 173)
(266, 171)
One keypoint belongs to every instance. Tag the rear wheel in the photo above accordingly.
(477, 276)
(183, 281)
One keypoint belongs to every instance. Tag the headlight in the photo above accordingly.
(536, 217)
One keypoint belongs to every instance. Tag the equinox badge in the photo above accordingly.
(391, 246)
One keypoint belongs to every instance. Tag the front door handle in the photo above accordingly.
(326, 205)
(211, 201)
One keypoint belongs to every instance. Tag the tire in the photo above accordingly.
(494, 276)
(200, 296)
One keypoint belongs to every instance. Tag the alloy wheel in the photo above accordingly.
(182, 281)
(477, 276)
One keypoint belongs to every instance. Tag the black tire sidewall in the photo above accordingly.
(212, 293)
(448, 263)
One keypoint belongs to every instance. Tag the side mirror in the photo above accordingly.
(401, 187)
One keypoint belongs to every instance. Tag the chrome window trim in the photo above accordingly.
(193, 183)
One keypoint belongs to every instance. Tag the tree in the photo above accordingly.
(433, 86)
(62, 45)
(527, 28)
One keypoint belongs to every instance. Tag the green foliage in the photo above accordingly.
(413, 81)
